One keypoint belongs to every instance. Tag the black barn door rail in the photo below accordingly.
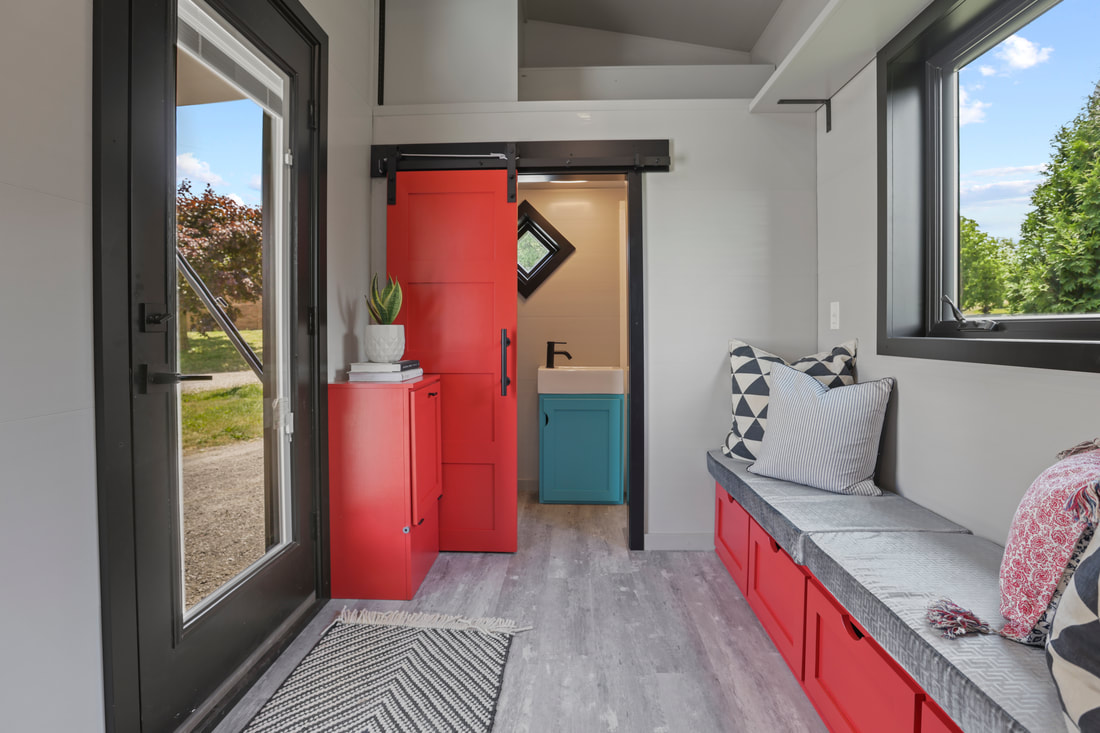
(589, 156)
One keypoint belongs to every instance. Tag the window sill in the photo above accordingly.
(1074, 356)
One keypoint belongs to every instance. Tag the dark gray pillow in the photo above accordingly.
(1073, 648)
(821, 437)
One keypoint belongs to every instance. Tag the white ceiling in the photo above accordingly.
(729, 24)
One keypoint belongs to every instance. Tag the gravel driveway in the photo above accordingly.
(223, 515)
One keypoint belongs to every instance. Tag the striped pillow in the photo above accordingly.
(821, 437)
(1073, 648)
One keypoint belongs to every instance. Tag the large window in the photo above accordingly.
(990, 199)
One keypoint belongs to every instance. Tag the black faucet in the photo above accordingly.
(550, 353)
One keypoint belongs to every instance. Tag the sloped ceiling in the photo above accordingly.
(729, 24)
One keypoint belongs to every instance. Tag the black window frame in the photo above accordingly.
(559, 248)
(918, 199)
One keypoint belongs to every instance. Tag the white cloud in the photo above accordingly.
(188, 166)
(236, 199)
(987, 70)
(1009, 170)
(1019, 53)
(971, 111)
(997, 192)
(256, 182)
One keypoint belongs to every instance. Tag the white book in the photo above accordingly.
(384, 366)
(405, 376)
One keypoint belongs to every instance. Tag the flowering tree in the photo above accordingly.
(223, 241)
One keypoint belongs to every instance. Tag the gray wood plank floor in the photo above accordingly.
(622, 641)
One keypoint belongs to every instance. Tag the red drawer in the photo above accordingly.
(934, 720)
(731, 537)
(855, 685)
(777, 593)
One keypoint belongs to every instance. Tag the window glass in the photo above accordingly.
(1029, 168)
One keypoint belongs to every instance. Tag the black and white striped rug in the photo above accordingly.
(380, 672)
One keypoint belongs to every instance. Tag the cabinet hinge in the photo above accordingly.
(288, 158)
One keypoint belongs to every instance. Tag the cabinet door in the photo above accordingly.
(580, 449)
(853, 683)
(427, 480)
(777, 594)
(731, 537)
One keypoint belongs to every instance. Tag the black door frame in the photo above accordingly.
(119, 40)
(631, 158)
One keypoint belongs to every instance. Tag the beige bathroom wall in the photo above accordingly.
(580, 303)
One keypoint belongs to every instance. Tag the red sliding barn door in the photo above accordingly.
(451, 242)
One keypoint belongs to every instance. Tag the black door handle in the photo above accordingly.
(175, 378)
(505, 342)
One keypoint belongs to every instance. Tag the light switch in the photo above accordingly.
(834, 315)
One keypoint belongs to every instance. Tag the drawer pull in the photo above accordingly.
(850, 627)
(774, 544)
(421, 521)
(729, 498)
(433, 394)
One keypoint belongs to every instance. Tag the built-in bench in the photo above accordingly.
(841, 584)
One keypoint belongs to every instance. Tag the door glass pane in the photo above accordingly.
(231, 325)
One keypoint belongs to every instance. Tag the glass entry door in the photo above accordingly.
(232, 325)
(227, 371)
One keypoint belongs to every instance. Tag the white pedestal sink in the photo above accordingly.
(581, 380)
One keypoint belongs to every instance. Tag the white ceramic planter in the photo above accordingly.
(385, 343)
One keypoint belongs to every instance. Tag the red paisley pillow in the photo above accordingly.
(1042, 539)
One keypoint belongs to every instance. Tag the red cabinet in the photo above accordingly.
(777, 594)
(385, 482)
(731, 537)
(935, 720)
(853, 683)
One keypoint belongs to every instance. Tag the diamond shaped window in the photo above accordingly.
(540, 249)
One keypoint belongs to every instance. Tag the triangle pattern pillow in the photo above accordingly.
(751, 369)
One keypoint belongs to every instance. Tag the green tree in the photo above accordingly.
(1056, 266)
(981, 268)
(223, 241)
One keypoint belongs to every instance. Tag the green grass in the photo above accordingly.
(214, 352)
(222, 416)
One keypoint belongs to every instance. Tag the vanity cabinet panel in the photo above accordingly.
(731, 537)
(581, 449)
(385, 482)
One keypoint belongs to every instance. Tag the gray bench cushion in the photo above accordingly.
(791, 512)
(887, 580)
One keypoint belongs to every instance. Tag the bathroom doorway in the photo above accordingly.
(583, 303)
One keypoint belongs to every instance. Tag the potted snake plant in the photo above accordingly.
(385, 341)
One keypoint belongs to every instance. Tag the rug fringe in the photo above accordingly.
(431, 621)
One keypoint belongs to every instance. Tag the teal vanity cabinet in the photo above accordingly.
(581, 448)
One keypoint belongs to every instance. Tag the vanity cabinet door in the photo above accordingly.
(580, 449)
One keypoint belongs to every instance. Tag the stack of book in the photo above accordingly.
(385, 371)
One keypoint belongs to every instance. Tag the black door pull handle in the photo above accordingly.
(174, 378)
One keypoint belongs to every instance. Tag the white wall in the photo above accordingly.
(966, 439)
(554, 44)
(440, 51)
(729, 251)
(352, 90)
(51, 677)
(579, 303)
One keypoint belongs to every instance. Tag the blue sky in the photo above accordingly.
(1013, 99)
(221, 144)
